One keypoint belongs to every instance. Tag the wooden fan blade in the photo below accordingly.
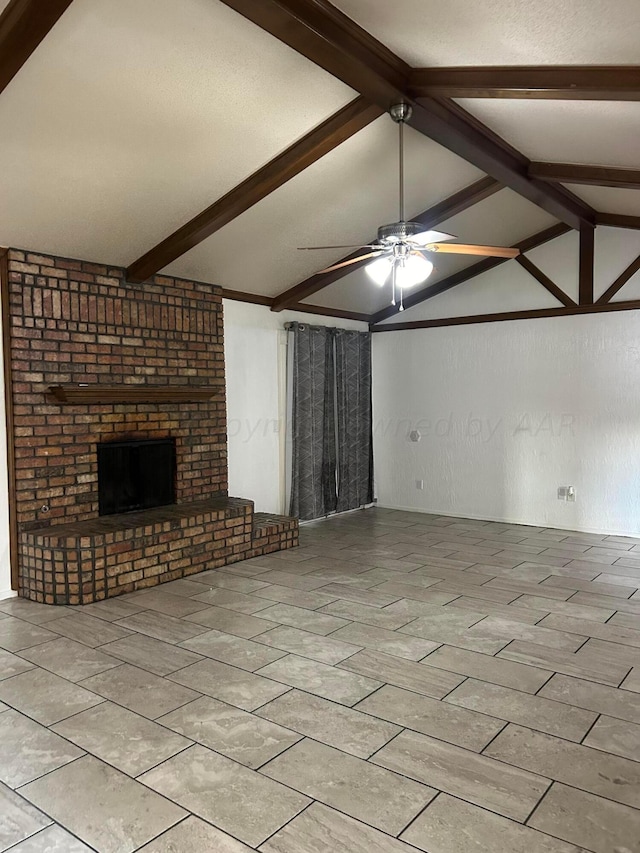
(352, 261)
(469, 249)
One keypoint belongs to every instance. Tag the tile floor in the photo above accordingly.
(401, 682)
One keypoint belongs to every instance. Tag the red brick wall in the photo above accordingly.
(72, 322)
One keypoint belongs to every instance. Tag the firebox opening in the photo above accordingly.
(134, 475)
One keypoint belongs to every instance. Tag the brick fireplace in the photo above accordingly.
(94, 358)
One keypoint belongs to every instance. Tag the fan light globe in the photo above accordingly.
(409, 271)
(414, 270)
(379, 270)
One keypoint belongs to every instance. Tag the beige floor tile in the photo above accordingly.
(19, 818)
(509, 629)
(544, 715)
(223, 580)
(632, 681)
(442, 628)
(194, 836)
(298, 617)
(87, 629)
(492, 608)
(585, 628)
(239, 688)
(238, 601)
(320, 829)
(297, 597)
(123, 816)
(360, 789)
(499, 787)
(169, 629)
(31, 611)
(384, 617)
(231, 622)
(487, 668)
(248, 739)
(170, 605)
(605, 652)
(580, 585)
(402, 673)
(344, 728)
(449, 825)
(323, 649)
(46, 697)
(329, 682)
(429, 716)
(621, 704)
(626, 620)
(608, 602)
(11, 664)
(235, 799)
(372, 597)
(615, 736)
(139, 691)
(29, 750)
(150, 654)
(119, 737)
(236, 651)
(608, 776)
(564, 662)
(53, 839)
(16, 634)
(567, 608)
(402, 645)
(110, 610)
(73, 661)
(430, 595)
(289, 576)
(588, 821)
(411, 609)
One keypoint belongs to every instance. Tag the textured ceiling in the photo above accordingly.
(503, 32)
(132, 117)
(599, 133)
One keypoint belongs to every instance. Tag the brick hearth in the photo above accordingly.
(71, 323)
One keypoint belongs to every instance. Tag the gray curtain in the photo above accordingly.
(353, 412)
(313, 479)
(332, 458)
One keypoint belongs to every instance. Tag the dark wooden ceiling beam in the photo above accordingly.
(470, 272)
(545, 281)
(430, 218)
(23, 25)
(318, 142)
(620, 282)
(597, 176)
(618, 220)
(327, 37)
(565, 82)
(532, 314)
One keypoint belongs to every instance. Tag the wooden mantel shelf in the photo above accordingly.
(105, 394)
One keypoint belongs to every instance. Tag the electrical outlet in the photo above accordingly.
(420, 484)
(567, 493)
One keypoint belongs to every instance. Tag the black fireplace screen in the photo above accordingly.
(136, 475)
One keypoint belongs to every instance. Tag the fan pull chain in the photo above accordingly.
(393, 284)
(401, 300)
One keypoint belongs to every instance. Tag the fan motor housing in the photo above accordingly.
(397, 231)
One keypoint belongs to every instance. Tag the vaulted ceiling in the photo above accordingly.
(210, 139)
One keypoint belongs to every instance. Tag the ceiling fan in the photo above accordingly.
(401, 250)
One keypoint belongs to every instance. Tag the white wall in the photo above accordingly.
(5, 568)
(255, 356)
(509, 411)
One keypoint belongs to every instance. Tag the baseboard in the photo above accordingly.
(506, 520)
(7, 593)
